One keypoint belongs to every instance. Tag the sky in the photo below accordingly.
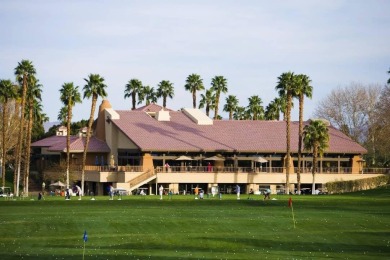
(250, 43)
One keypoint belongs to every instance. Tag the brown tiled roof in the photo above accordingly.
(182, 134)
(58, 144)
(152, 107)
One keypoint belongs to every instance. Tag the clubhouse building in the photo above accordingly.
(144, 148)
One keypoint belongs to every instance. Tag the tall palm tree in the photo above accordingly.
(33, 96)
(285, 87)
(148, 94)
(303, 88)
(94, 88)
(7, 93)
(231, 105)
(316, 140)
(218, 85)
(37, 118)
(23, 71)
(69, 96)
(165, 89)
(133, 88)
(255, 108)
(239, 113)
(194, 83)
(207, 101)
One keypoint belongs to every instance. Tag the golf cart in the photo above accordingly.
(5, 192)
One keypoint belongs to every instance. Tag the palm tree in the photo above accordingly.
(69, 96)
(239, 113)
(285, 87)
(231, 105)
(388, 81)
(194, 83)
(23, 71)
(218, 85)
(133, 87)
(303, 89)
(7, 93)
(255, 109)
(148, 94)
(315, 139)
(37, 118)
(94, 88)
(63, 115)
(33, 96)
(165, 89)
(273, 110)
(207, 101)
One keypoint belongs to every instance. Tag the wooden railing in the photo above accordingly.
(98, 168)
(144, 176)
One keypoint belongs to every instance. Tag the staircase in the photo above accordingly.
(142, 179)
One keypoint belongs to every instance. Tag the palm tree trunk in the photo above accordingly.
(288, 116)
(314, 168)
(207, 110)
(94, 100)
(300, 137)
(216, 107)
(21, 134)
(133, 99)
(68, 143)
(194, 99)
(28, 149)
(3, 161)
(164, 101)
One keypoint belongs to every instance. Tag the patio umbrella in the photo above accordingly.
(215, 158)
(183, 158)
(260, 159)
(58, 183)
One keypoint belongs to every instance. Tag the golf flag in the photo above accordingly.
(292, 209)
(85, 237)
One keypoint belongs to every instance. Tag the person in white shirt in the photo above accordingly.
(161, 189)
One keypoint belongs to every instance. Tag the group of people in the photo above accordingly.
(76, 189)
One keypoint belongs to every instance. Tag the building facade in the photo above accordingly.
(151, 146)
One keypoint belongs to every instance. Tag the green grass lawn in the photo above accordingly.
(351, 226)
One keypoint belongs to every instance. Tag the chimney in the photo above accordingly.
(100, 131)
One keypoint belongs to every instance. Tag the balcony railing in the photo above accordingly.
(214, 169)
(98, 168)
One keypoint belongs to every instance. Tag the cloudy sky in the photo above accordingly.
(249, 42)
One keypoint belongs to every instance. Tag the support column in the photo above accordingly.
(338, 164)
(147, 162)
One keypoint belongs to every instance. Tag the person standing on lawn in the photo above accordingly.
(161, 190)
(196, 192)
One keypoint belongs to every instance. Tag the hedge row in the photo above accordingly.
(357, 185)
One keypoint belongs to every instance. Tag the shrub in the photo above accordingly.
(357, 185)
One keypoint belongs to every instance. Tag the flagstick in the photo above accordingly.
(84, 250)
(292, 212)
